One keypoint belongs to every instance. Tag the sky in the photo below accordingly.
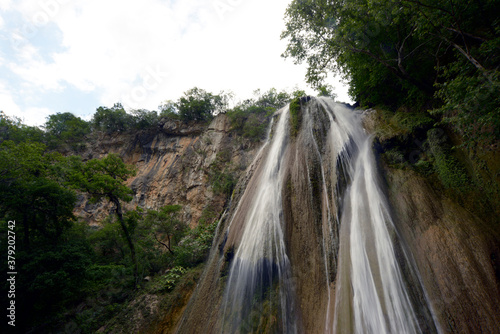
(77, 55)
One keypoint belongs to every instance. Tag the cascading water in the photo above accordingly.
(371, 296)
(311, 245)
(257, 286)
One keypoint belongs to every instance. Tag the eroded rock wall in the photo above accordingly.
(172, 163)
(454, 251)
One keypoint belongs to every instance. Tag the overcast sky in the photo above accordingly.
(77, 55)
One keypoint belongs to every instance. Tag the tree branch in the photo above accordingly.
(166, 246)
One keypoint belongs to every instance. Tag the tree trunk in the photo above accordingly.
(166, 246)
(130, 243)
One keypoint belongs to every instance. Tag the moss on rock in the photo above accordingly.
(295, 117)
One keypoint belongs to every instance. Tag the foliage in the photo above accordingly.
(12, 128)
(295, 117)
(104, 178)
(326, 90)
(54, 272)
(168, 109)
(195, 247)
(111, 120)
(32, 191)
(143, 119)
(471, 104)
(221, 175)
(222, 181)
(65, 127)
(450, 171)
(420, 53)
(249, 121)
(165, 224)
(169, 280)
(251, 117)
(199, 105)
(272, 98)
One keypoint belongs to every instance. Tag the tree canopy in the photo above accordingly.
(33, 192)
(421, 53)
(200, 105)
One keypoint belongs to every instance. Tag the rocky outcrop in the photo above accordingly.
(172, 163)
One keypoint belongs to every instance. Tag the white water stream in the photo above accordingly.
(261, 267)
(371, 284)
(371, 295)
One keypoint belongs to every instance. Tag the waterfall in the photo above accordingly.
(371, 296)
(258, 285)
(311, 245)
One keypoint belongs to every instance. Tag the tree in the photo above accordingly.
(62, 127)
(272, 98)
(12, 128)
(326, 90)
(200, 105)
(111, 120)
(358, 38)
(143, 119)
(32, 191)
(424, 54)
(165, 223)
(104, 179)
(168, 109)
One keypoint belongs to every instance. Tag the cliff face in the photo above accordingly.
(456, 254)
(172, 165)
(456, 247)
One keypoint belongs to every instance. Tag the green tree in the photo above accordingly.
(32, 191)
(272, 98)
(168, 109)
(50, 253)
(104, 179)
(200, 105)
(420, 53)
(326, 90)
(370, 42)
(12, 128)
(143, 119)
(65, 127)
(165, 226)
(111, 120)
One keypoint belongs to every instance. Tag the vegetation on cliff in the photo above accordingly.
(80, 276)
(427, 55)
(430, 69)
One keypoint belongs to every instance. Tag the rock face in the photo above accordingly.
(456, 254)
(305, 211)
(172, 165)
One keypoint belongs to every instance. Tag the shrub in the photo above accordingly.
(169, 280)
(195, 247)
(450, 171)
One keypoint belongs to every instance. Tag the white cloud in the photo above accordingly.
(31, 116)
(113, 46)
(5, 4)
(7, 103)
